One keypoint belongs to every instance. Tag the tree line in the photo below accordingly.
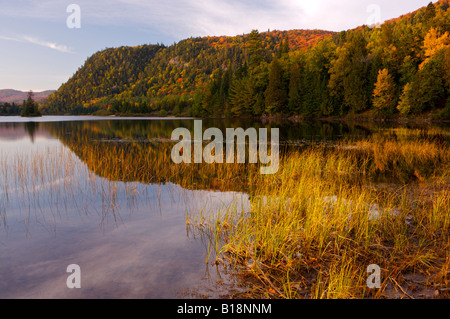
(10, 109)
(29, 108)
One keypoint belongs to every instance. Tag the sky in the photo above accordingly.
(43, 43)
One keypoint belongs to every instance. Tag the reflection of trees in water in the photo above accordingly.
(19, 130)
(132, 151)
(108, 150)
(145, 129)
(152, 163)
(31, 128)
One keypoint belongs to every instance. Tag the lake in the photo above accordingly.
(101, 193)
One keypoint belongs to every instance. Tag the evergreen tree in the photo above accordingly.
(197, 106)
(255, 50)
(275, 95)
(30, 108)
(349, 73)
(224, 91)
(295, 97)
(242, 97)
(283, 48)
(430, 13)
(408, 71)
(286, 47)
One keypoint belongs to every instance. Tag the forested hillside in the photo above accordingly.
(399, 69)
(151, 78)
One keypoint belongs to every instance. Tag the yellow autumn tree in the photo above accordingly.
(384, 95)
(433, 43)
(404, 106)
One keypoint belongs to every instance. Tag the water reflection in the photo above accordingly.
(31, 128)
(104, 194)
(129, 238)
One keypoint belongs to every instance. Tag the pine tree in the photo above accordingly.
(295, 98)
(286, 46)
(349, 73)
(242, 97)
(408, 70)
(275, 95)
(30, 108)
(225, 89)
(430, 13)
(255, 49)
(283, 49)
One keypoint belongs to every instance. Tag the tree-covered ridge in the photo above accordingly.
(139, 79)
(108, 72)
(400, 68)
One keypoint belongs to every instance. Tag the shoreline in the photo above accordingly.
(293, 119)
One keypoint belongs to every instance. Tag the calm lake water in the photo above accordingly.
(61, 203)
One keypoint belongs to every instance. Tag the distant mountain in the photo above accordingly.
(16, 96)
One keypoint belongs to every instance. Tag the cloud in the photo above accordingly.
(37, 41)
(177, 18)
(184, 18)
(51, 45)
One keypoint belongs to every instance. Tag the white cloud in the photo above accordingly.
(3, 37)
(184, 18)
(177, 18)
(51, 45)
(203, 17)
(37, 41)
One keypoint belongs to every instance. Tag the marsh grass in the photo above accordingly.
(315, 227)
(43, 185)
